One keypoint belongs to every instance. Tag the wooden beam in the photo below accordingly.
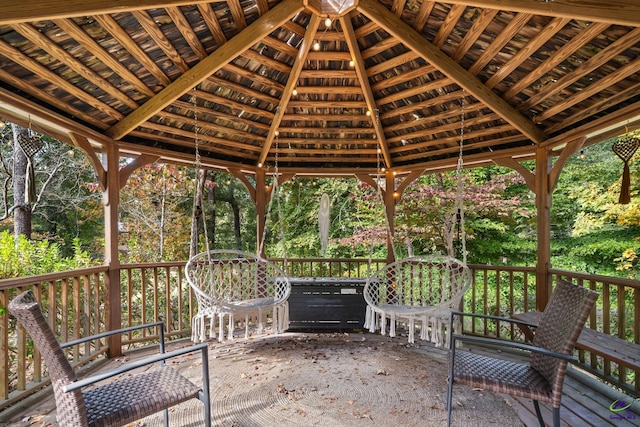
(408, 179)
(292, 81)
(41, 71)
(72, 29)
(245, 181)
(621, 12)
(543, 209)
(38, 10)
(83, 143)
(361, 72)
(208, 66)
(571, 148)
(414, 41)
(111, 201)
(46, 44)
(529, 177)
(136, 163)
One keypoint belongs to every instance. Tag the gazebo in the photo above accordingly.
(323, 88)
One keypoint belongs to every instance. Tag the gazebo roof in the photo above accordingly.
(396, 84)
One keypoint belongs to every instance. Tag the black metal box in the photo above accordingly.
(326, 303)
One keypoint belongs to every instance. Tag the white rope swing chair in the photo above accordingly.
(421, 291)
(232, 284)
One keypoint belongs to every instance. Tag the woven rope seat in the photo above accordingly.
(229, 283)
(420, 291)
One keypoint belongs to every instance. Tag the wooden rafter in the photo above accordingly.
(75, 32)
(257, 30)
(38, 69)
(70, 61)
(361, 72)
(610, 52)
(151, 28)
(435, 56)
(478, 27)
(523, 54)
(38, 10)
(294, 74)
(187, 32)
(563, 52)
(109, 24)
(624, 12)
(211, 20)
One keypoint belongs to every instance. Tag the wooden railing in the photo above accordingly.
(328, 267)
(151, 292)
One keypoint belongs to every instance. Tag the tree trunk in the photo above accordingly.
(22, 212)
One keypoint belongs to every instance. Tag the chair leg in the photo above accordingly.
(452, 355)
(166, 418)
(536, 405)
(205, 394)
(556, 417)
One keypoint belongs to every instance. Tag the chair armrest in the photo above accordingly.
(511, 344)
(497, 318)
(204, 348)
(117, 332)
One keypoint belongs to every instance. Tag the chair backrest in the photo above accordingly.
(229, 276)
(69, 406)
(419, 281)
(559, 329)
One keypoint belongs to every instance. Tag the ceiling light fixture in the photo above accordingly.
(327, 21)
(316, 45)
(295, 92)
(352, 63)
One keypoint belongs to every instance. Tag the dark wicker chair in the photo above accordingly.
(122, 400)
(542, 378)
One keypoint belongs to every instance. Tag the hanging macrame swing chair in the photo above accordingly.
(231, 284)
(421, 291)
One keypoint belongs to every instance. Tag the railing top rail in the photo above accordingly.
(161, 264)
(500, 267)
(39, 278)
(597, 278)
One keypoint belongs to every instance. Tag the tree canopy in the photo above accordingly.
(592, 232)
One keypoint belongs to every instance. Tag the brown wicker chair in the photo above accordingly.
(121, 401)
(542, 378)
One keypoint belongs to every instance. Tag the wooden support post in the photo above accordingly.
(261, 207)
(543, 208)
(111, 199)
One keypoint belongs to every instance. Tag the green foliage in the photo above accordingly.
(26, 258)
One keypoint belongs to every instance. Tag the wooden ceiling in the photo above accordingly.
(395, 84)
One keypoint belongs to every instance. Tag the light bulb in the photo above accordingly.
(295, 92)
(327, 22)
(352, 63)
(316, 46)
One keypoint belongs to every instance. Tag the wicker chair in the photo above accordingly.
(123, 400)
(231, 283)
(542, 378)
(420, 291)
